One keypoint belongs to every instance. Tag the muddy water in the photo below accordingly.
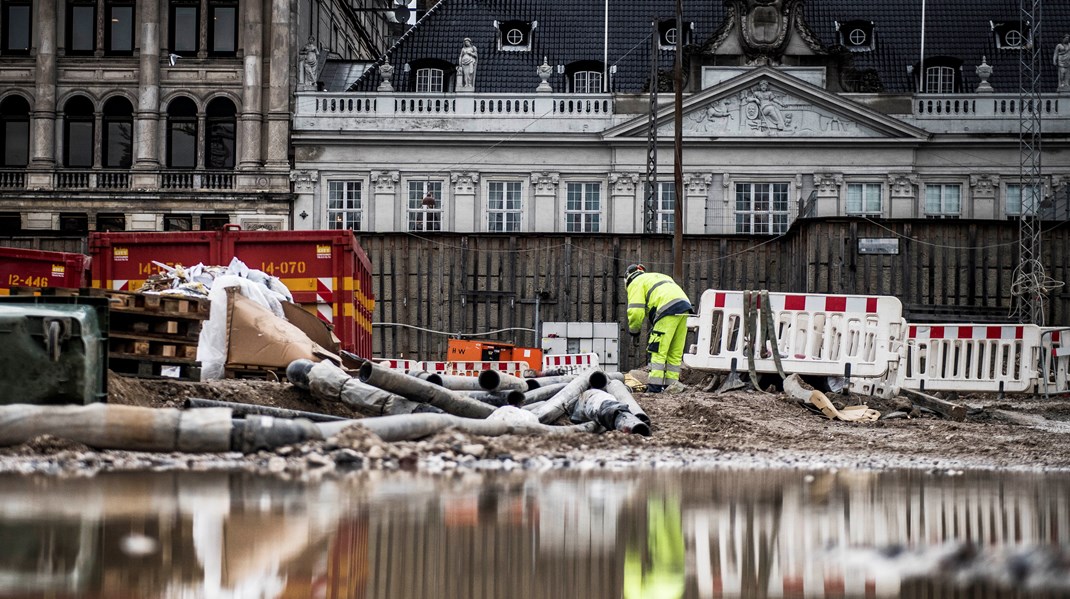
(478, 535)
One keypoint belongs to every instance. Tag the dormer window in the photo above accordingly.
(430, 75)
(857, 36)
(515, 36)
(1012, 35)
(668, 36)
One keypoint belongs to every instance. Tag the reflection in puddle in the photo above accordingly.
(665, 535)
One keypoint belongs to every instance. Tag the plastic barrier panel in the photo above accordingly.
(971, 357)
(829, 335)
(403, 365)
(1053, 370)
(570, 363)
(473, 368)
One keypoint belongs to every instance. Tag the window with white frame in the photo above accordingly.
(504, 202)
(429, 80)
(761, 208)
(863, 198)
(343, 205)
(943, 199)
(583, 207)
(939, 80)
(666, 207)
(587, 82)
(1019, 203)
(425, 205)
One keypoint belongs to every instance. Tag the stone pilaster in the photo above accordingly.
(43, 117)
(278, 116)
(544, 211)
(251, 119)
(621, 213)
(386, 213)
(827, 202)
(983, 203)
(903, 195)
(697, 187)
(306, 215)
(466, 214)
(147, 116)
(720, 218)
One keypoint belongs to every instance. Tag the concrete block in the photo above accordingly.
(141, 222)
(606, 330)
(554, 345)
(558, 329)
(37, 220)
(584, 330)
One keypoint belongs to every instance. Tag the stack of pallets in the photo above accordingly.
(150, 336)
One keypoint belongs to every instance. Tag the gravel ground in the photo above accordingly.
(691, 429)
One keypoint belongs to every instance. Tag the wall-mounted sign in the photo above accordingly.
(878, 245)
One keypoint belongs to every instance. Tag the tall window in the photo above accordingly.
(221, 126)
(425, 205)
(666, 207)
(863, 198)
(761, 208)
(118, 141)
(119, 30)
(81, 27)
(15, 132)
(1017, 205)
(343, 205)
(939, 80)
(583, 207)
(16, 24)
(185, 19)
(222, 28)
(943, 200)
(429, 80)
(181, 133)
(587, 82)
(78, 133)
(504, 200)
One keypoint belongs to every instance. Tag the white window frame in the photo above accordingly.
(867, 203)
(581, 217)
(417, 217)
(345, 204)
(666, 207)
(514, 40)
(430, 80)
(939, 80)
(937, 205)
(591, 82)
(858, 42)
(1013, 194)
(505, 204)
(751, 217)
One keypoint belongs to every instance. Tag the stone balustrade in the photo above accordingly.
(982, 113)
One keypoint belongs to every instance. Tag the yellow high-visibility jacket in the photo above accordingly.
(653, 295)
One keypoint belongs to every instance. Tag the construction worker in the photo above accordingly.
(657, 297)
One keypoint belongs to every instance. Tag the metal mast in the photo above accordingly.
(650, 203)
(1029, 281)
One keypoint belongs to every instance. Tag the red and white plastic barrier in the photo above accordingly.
(474, 368)
(570, 363)
(829, 335)
(399, 364)
(1053, 370)
(970, 357)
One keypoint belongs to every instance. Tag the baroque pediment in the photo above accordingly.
(765, 103)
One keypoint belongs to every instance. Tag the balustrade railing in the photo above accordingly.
(456, 105)
(197, 180)
(10, 179)
(980, 105)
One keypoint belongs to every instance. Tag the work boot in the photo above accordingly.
(655, 388)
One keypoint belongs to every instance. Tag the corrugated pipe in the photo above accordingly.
(417, 426)
(624, 395)
(543, 393)
(424, 392)
(492, 380)
(456, 383)
(328, 382)
(595, 405)
(559, 404)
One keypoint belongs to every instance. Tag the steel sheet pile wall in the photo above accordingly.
(963, 267)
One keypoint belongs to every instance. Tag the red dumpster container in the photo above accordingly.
(35, 268)
(327, 271)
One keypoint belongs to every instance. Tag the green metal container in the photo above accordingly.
(53, 350)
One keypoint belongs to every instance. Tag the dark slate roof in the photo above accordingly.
(337, 75)
(572, 30)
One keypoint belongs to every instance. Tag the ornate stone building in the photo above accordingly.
(150, 115)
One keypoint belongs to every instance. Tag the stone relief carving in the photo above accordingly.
(902, 184)
(464, 182)
(545, 182)
(623, 182)
(762, 30)
(385, 181)
(762, 110)
(828, 183)
(697, 184)
(304, 181)
(983, 185)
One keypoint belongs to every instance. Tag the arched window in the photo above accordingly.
(220, 124)
(943, 75)
(15, 132)
(78, 133)
(118, 141)
(584, 77)
(430, 75)
(181, 133)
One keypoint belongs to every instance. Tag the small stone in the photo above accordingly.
(318, 460)
(375, 452)
(473, 449)
(276, 464)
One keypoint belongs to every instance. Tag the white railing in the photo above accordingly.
(980, 105)
(86, 179)
(317, 104)
(197, 180)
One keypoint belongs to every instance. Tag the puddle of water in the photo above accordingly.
(475, 535)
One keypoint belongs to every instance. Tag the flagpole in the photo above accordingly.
(921, 61)
(605, 51)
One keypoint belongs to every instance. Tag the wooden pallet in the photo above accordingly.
(155, 367)
(246, 371)
(164, 346)
(131, 301)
